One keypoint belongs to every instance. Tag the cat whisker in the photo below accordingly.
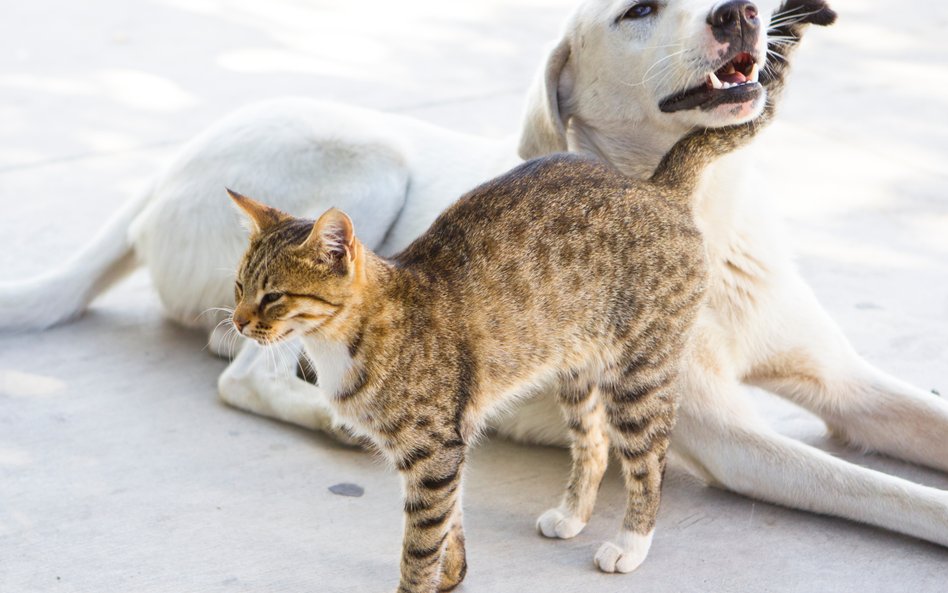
(227, 310)
(234, 337)
(216, 327)
(280, 352)
(271, 356)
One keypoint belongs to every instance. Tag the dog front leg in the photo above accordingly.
(265, 383)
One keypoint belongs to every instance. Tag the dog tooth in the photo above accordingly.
(715, 81)
(754, 74)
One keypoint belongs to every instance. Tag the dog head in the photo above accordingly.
(658, 66)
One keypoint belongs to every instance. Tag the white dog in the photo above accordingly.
(626, 81)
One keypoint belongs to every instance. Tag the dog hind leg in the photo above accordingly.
(818, 369)
(734, 449)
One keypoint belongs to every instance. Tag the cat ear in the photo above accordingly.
(260, 216)
(332, 237)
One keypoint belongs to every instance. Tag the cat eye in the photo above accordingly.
(639, 11)
(240, 289)
(270, 297)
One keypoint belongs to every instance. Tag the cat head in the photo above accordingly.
(297, 277)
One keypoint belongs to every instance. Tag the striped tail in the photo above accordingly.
(683, 165)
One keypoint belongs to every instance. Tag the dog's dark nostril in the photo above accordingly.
(733, 14)
(735, 22)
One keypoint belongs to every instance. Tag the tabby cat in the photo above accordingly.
(561, 270)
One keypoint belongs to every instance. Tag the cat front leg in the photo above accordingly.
(585, 419)
(433, 555)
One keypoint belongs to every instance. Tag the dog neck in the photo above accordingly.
(633, 148)
(636, 148)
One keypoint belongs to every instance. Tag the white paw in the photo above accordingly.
(240, 393)
(626, 555)
(560, 524)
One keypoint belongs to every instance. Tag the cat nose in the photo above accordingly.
(240, 322)
(735, 21)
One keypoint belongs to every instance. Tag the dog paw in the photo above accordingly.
(626, 554)
(241, 394)
(559, 524)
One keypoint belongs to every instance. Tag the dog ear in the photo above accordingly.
(544, 127)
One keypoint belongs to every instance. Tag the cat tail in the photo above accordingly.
(65, 292)
(683, 165)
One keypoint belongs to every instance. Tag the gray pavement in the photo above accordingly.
(120, 470)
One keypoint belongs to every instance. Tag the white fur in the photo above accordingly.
(265, 384)
(559, 523)
(626, 554)
(332, 362)
(597, 93)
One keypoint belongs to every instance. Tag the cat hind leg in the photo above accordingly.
(640, 412)
(585, 419)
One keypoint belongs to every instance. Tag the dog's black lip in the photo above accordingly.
(707, 99)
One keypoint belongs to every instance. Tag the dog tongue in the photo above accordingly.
(733, 77)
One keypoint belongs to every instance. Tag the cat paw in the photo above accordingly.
(559, 524)
(626, 554)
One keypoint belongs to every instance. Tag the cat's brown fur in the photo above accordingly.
(560, 270)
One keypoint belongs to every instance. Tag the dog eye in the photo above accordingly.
(640, 11)
(270, 297)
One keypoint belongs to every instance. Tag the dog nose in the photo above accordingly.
(735, 20)
(733, 14)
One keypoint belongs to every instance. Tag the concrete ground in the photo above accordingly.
(120, 470)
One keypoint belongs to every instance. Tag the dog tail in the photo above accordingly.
(64, 293)
(684, 164)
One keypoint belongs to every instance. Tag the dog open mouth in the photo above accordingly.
(734, 82)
